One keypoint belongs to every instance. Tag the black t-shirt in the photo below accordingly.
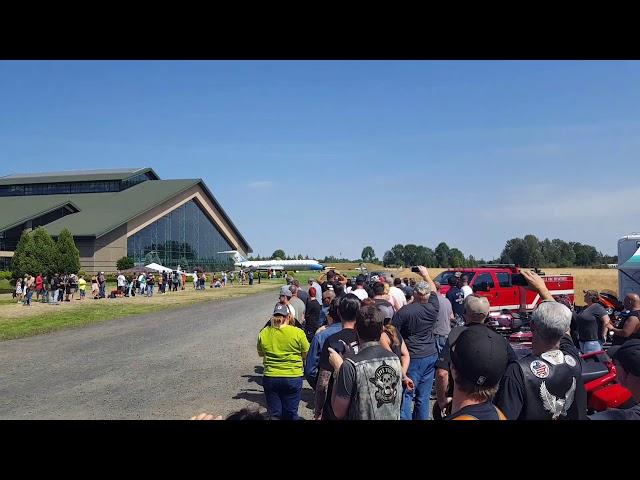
(415, 323)
(349, 347)
(590, 323)
(511, 395)
(312, 317)
(456, 297)
(481, 411)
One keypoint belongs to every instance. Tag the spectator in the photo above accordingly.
(297, 304)
(476, 311)
(314, 284)
(251, 278)
(627, 360)
(312, 315)
(102, 284)
(224, 279)
(232, 277)
(630, 327)
(151, 280)
(464, 286)
(18, 291)
(456, 298)
(344, 341)
(121, 282)
(408, 294)
(381, 301)
(183, 280)
(445, 319)
(327, 297)
(415, 323)
(593, 323)
(283, 349)
(196, 280)
(392, 341)
(396, 292)
(161, 282)
(353, 396)
(334, 325)
(547, 384)
(30, 288)
(142, 282)
(328, 284)
(301, 294)
(39, 286)
(94, 286)
(360, 292)
(478, 360)
(338, 288)
(82, 286)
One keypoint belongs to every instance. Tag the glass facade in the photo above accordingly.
(73, 187)
(185, 237)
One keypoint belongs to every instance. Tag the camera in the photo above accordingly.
(415, 270)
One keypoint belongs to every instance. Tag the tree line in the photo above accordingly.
(37, 252)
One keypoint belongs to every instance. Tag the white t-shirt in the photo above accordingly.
(292, 310)
(467, 290)
(361, 293)
(398, 294)
(121, 280)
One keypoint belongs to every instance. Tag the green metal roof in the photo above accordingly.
(73, 176)
(100, 213)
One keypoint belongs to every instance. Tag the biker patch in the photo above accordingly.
(385, 379)
(554, 357)
(539, 369)
(570, 360)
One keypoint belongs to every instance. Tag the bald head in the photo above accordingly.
(632, 301)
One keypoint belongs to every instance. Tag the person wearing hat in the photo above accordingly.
(297, 304)
(479, 358)
(627, 360)
(283, 349)
(546, 384)
(475, 312)
(415, 323)
(592, 323)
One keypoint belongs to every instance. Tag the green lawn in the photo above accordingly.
(93, 311)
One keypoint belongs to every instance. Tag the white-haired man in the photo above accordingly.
(546, 384)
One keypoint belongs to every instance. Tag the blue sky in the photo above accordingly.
(324, 157)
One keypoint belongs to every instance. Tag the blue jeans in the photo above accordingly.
(283, 396)
(440, 341)
(421, 371)
(590, 346)
(29, 295)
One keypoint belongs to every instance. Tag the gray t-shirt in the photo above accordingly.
(443, 323)
(298, 306)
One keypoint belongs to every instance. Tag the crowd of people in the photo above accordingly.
(373, 349)
(49, 288)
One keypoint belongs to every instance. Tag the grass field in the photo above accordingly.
(18, 321)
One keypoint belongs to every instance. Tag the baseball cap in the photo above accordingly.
(628, 354)
(281, 309)
(480, 356)
(285, 291)
(477, 306)
(423, 288)
(408, 291)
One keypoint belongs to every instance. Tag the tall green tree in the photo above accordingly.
(426, 257)
(278, 255)
(124, 263)
(410, 254)
(44, 251)
(23, 261)
(398, 254)
(456, 258)
(442, 255)
(68, 254)
(388, 258)
(367, 254)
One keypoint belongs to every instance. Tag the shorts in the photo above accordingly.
(82, 293)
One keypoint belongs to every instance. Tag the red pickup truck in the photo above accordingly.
(494, 282)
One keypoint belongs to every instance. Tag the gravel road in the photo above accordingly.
(164, 365)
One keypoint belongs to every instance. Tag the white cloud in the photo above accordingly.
(260, 184)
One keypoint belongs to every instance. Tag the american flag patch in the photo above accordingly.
(539, 369)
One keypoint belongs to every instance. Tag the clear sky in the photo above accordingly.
(325, 157)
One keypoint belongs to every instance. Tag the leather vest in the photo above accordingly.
(550, 382)
(379, 387)
(618, 340)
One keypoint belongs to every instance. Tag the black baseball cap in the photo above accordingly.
(480, 356)
(628, 354)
